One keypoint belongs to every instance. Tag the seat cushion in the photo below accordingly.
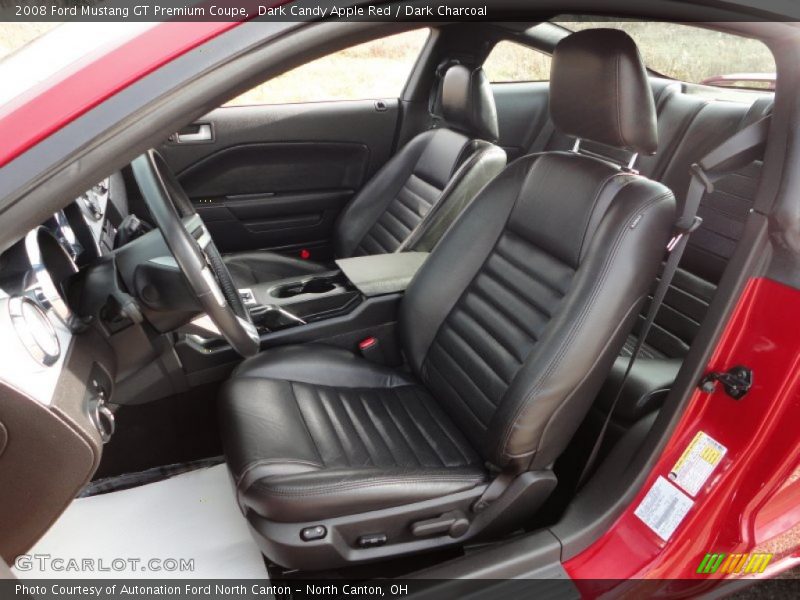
(369, 437)
(250, 268)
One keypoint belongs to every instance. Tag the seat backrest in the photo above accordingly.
(438, 167)
(516, 317)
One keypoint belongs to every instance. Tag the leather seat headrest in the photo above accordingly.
(599, 90)
(468, 102)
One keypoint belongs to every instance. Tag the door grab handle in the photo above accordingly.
(203, 134)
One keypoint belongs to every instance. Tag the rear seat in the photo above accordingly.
(689, 127)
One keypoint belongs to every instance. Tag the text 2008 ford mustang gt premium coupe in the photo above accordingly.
(384, 302)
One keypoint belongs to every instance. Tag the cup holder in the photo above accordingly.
(312, 286)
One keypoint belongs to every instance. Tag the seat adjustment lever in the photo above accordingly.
(452, 523)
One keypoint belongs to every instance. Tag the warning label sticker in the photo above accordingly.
(697, 462)
(663, 508)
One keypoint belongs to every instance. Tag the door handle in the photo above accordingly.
(202, 134)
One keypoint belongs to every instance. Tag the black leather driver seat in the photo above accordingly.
(416, 195)
(509, 329)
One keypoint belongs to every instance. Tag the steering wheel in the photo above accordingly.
(194, 251)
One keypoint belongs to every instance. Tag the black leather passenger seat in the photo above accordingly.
(415, 197)
(509, 329)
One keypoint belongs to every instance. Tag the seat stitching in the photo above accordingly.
(413, 215)
(531, 276)
(394, 217)
(516, 292)
(334, 429)
(376, 426)
(495, 337)
(444, 430)
(466, 346)
(420, 430)
(396, 424)
(381, 226)
(480, 423)
(466, 374)
(407, 188)
(357, 427)
(513, 262)
(600, 190)
(426, 435)
(303, 420)
(492, 337)
(370, 238)
(567, 339)
(491, 302)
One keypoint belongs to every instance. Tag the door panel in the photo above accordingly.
(276, 176)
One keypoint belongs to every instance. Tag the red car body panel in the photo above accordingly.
(753, 497)
(52, 104)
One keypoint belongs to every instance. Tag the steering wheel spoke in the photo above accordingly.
(195, 253)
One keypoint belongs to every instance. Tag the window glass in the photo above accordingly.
(509, 61)
(694, 54)
(377, 69)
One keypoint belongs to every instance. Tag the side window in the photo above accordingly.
(377, 69)
(509, 62)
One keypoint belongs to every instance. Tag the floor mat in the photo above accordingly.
(188, 526)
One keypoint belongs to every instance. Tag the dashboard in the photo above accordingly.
(57, 369)
(36, 322)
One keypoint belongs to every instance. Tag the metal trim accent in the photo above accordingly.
(23, 330)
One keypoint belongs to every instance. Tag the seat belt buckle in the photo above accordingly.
(682, 231)
(370, 348)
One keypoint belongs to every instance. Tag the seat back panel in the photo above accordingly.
(482, 345)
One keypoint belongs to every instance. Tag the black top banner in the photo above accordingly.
(354, 10)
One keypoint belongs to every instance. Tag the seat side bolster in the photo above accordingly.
(337, 492)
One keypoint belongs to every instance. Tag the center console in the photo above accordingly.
(342, 307)
(297, 301)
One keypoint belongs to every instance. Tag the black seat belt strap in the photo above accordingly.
(736, 152)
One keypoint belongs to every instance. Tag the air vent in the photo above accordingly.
(34, 330)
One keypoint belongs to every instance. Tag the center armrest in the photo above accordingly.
(382, 273)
